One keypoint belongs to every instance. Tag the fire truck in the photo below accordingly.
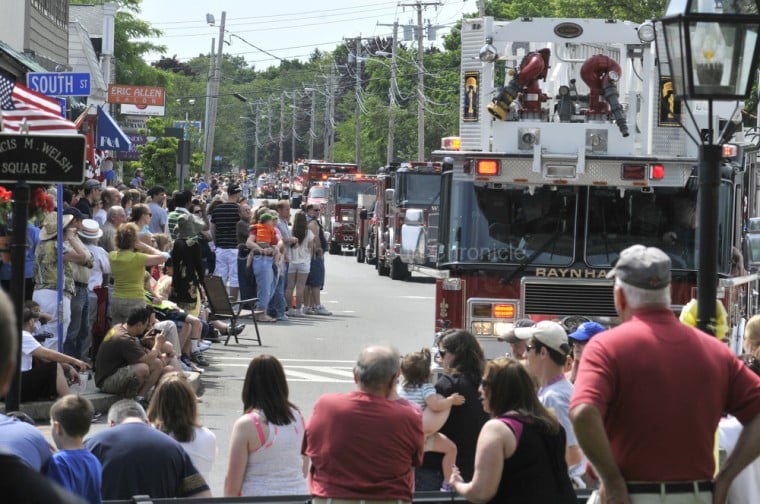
(339, 215)
(577, 155)
(404, 224)
(310, 173)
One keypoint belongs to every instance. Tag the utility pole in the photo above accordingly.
(293, 133)
(312, 120)
(358, 101)
(214, 98)
(282, 123)
(256, 140)
(392, 97)
(419, 5)
(330, 116)
(209, 89)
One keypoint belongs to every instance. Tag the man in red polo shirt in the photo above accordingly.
(364, 445)
(650, 393)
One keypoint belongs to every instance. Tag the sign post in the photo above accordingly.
(38, 159)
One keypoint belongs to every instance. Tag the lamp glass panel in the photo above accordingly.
(674, 45)
(721, 57)
(676, 7)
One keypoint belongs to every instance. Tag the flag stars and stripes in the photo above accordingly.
(23, 109)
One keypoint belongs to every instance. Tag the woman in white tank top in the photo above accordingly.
(265, 446)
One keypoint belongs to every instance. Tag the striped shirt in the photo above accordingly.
(416, 393)
(225, 219)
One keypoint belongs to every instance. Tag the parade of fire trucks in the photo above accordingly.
(578, 154)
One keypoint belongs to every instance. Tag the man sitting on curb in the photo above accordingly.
(129, 364)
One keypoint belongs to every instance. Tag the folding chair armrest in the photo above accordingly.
(245, 301)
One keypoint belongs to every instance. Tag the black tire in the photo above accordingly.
(398, 269)
(382, 268)
(335, 248)
(360, 255)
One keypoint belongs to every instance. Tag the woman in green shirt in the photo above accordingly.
(128, 270)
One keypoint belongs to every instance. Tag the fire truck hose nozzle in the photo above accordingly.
(611, 95)
(499, 107)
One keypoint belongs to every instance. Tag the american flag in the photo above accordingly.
(21, 106)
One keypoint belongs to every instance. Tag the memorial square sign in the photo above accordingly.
(38, 159)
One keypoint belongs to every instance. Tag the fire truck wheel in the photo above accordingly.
(382, 268)
(399, 270)
(335, 248)
(360, 255)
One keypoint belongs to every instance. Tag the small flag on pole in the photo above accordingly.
(23, 108)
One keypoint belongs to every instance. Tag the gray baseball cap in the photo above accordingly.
(642, 267)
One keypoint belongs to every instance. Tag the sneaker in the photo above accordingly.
(213, 335)
(204, 345)
(292, 312)
(186, 361)
(321, 310)
(298, 312)
(446, 487)
(199, 359)
(283, 318)
(233, 331)
(308, 310)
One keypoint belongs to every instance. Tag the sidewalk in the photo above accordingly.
(40, 410)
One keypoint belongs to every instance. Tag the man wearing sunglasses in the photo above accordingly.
(316, 279)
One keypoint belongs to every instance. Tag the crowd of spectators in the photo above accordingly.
(573, 406)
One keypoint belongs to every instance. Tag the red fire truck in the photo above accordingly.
(339, 215)
(404, 225)
(579, 155)
(310, 173)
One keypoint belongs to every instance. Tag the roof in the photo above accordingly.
(82, 58)
(90, 17)
(24, 60)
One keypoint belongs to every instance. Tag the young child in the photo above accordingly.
(416, 387)
(74, 467)
(266, 236)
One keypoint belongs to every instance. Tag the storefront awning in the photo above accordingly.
(109, 135)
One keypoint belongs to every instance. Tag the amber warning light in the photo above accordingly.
(450, 143)
(488, 167)
(503, 311)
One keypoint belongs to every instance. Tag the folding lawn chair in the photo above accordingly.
(221, 306)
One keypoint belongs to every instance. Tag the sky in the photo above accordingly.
(287, 29)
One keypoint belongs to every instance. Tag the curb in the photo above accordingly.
(40, 410)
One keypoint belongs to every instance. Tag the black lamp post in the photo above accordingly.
(712, 50)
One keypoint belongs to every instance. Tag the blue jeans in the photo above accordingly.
(278, 304)
(262, 270)
(79, 335)
(245, 280)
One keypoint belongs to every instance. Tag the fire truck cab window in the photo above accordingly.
(418, 189)
(511, 226)
(663, 218)
(347, 193)
(318, 192)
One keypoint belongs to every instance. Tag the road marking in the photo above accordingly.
(301, 371)
(416, 297)
(224, 358)
(294, 375)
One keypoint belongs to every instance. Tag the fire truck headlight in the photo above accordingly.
(482, 328)
(488, 53)
(501, 328)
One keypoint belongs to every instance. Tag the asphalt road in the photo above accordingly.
(318, 352)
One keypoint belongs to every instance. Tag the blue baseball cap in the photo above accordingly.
(586, 331)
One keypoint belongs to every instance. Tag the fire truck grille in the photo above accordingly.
(564, 297)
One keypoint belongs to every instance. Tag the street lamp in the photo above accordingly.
(712, 51)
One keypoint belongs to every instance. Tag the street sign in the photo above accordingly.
(53, 159)
(59, 83)
(136, 95)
